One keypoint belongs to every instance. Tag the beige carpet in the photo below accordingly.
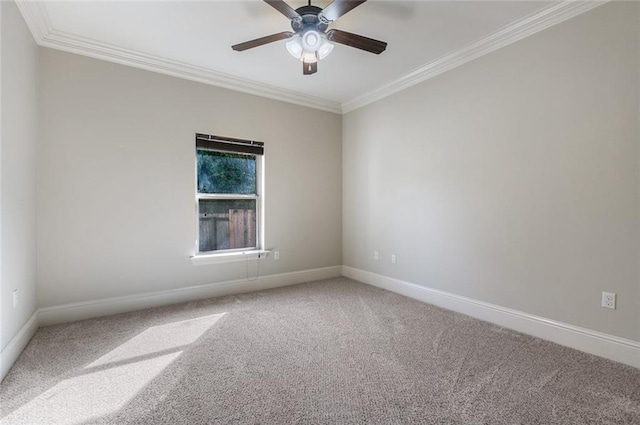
(327, 352)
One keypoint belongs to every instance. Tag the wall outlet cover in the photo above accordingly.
(609, 300)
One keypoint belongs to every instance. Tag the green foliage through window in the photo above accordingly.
(221, 172)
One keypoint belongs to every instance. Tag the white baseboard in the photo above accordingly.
(10, 353)
(108, 306)
(604, 345)
(612, 347)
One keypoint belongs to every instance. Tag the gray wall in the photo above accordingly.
(117, 179)
(513, 179)
(19, 123)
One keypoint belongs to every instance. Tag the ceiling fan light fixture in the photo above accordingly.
(309, 57)
(311, 40)
(294, 47)
(325, 49)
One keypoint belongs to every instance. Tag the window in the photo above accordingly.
(228, 194)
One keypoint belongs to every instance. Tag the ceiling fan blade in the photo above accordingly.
(283, 8)
(309, 68)
(357, 41)
(339, 8)
(261, 41)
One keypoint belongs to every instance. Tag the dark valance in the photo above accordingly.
(227, 144)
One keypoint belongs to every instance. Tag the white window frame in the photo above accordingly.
(236, 254)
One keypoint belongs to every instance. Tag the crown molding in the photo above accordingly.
(84, 46)
(529, 25)
(37, 19)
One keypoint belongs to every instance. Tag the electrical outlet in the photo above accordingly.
(394, 259)
(276, 255)
(15, 298)
(375, 255)
(609, 300)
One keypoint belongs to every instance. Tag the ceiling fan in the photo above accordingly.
(310, 41)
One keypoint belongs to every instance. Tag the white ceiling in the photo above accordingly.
(200, 34)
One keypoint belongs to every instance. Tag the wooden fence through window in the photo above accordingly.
(242, 228)
(232, 230)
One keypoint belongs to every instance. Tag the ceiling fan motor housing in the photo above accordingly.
(309, 20)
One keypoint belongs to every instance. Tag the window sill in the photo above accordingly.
(228, 257)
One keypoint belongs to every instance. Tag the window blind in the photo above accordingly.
(228, 144)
